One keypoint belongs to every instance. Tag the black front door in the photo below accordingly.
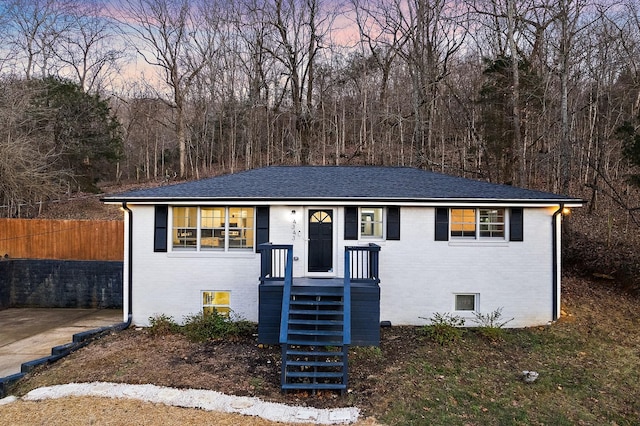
(320, 240)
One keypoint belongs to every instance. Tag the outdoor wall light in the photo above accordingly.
(566, 211)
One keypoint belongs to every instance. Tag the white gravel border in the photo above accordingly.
(194, 398)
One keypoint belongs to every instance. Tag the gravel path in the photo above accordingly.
(206, 400)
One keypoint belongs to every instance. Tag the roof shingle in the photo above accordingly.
(339, 183)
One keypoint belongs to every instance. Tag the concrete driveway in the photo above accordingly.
(30, 333)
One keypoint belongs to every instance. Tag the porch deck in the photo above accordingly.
(365, 308)
(318, 282)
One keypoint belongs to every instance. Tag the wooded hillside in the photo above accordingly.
(535, 93)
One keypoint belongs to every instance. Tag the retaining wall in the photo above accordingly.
(60, 284)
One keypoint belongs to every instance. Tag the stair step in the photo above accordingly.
(323, 354)
(316, 322)
(328, 342)
(326, 364)
(312, 308)
(294, 386)
(317, 302)
(315, 374)
(304, 332)
(313, 312)
(317, 291)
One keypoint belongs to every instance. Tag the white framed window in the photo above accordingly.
(216, 301)
(492, 223)
(466, 302)
(372, 222)
(213, 228)
(481, 223)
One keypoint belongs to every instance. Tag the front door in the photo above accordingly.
(320, 240)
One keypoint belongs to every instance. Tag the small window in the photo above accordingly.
(371, 222)
(466, 302)
(492, 223)
(216, 301)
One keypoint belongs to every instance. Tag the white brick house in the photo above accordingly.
(447, 244)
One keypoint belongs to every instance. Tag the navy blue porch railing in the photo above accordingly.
(276, 264)
(273, 261)
(360, 266)
(361, 263)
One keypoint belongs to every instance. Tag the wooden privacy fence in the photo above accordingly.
(62, 239)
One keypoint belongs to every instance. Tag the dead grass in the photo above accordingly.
(104, 411)
(587, 363)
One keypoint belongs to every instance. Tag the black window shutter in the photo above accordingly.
(442, 224)
(351, 223)
(262, 225)
(160, 224)
(393, 223)
(516, 222)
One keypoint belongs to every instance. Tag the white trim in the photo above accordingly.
(383, 222)
(211, 305)
(477, 239)
(476, 302)
(211, 252)
(355, 202)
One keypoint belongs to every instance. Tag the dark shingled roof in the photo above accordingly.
(339, 183)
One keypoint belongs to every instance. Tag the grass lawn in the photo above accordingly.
(587, 364)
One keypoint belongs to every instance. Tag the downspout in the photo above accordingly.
(556, 259)
(129, 266)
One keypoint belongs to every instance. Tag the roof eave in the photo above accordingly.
(567, 202)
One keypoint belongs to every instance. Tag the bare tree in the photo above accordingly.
(36, 29)
(168, 36)
(30, 169)
(569, 25)
(301, 29)
(434, 32)
(89, 47)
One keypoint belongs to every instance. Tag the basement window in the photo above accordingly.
(466, 302)
(216, 301)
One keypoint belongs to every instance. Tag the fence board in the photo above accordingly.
(62, 239)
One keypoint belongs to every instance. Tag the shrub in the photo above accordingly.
(445, 328)
(162, 324)
(200, 327)
(491, 325)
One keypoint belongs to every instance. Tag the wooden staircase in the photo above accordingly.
(314, 350)
(315, 320)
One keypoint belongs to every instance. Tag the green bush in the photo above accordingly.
(200, 327)
(445, 328)
(491, 325)
(162, 324)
